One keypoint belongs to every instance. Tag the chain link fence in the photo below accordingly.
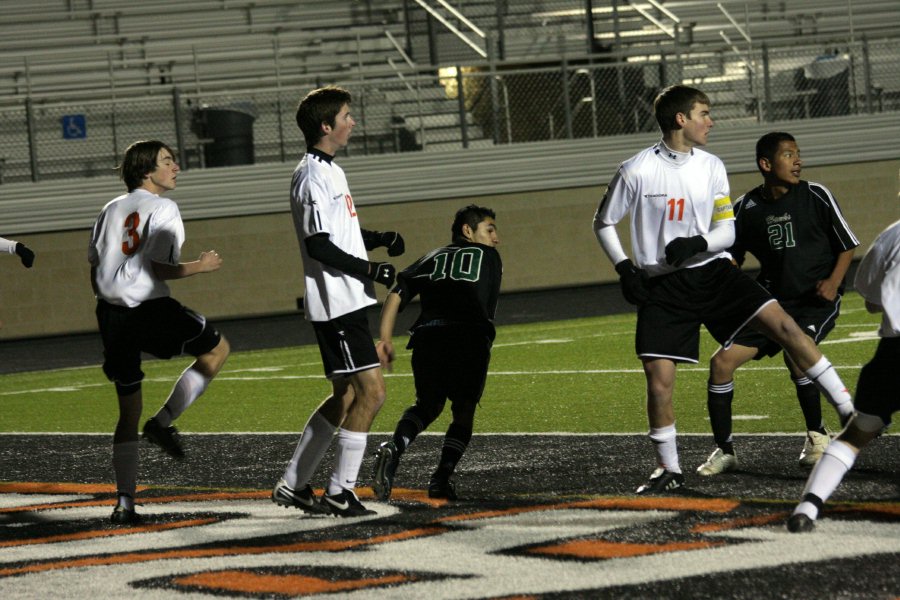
(406, 108)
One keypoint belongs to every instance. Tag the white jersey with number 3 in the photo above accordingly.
(133, 231)
(321, 203)
(668, 197)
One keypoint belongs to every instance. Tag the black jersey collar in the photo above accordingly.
(316, 152)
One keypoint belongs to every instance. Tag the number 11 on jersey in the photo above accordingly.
(672, 203)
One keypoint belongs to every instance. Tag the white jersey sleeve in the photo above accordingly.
(132, 232)
(878, 278)
(321, 204)
(7, 246)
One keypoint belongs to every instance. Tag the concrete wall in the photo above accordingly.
(546, 241)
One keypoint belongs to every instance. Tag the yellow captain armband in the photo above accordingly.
(722, 209)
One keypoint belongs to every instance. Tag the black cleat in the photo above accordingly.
(440, 487)
(166, 438)
(303, 499)
(661, 481)
(123, 516)
(800, 523)
(386, 461)
(345, 504)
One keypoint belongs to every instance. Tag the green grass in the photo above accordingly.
(569, 376)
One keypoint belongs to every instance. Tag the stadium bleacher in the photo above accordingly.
(84, 51)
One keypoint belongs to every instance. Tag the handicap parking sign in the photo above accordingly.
(74, 127)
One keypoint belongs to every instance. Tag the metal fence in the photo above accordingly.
(405, 108)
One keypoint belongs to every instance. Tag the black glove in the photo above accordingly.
(633, 282)
(25, 254)
(393, 241)
(383, 273)
(681, 249)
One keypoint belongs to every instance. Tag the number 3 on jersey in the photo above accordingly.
(132, 237)
(465, 264)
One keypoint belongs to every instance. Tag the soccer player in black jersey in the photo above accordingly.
(797, 232)
(459, 285)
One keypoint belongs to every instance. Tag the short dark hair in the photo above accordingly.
(139, 160)
(471, 215)
(767, 145)
(319, 106)
(673, 100)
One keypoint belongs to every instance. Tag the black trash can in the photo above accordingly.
(227, 135)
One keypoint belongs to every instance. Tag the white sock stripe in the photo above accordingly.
(720, 388)
(802, 381)
(455, 444)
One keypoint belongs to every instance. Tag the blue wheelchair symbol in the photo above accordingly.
(74, 127)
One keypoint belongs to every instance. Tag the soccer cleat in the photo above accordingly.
(718, 462)
(345, 504)
(304, 499)
(166, 438)
(661, 481)
(800, 523)
(440, 487)
(813, 448)
(123, 516)
(386, 461)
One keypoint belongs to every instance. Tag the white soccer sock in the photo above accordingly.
(829, 383)
(125, 465)
(663, 439)
(314, 441)
(188, 388)
(827, 475)
(349, 454)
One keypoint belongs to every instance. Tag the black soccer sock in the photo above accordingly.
(455, 443)
(810, 404)
(718, 402)
(408, 428)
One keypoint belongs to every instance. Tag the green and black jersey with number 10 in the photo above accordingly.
(796, 238)
(458, 284)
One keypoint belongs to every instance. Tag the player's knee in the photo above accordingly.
(721, 370)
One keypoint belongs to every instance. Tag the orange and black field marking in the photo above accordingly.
(539, 517)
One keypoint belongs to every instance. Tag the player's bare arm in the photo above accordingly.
(208, 262)
(385, 345)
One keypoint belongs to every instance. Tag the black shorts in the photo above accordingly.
(816, 319)
(876, 390)
(162, 327)
(346, 344)
(717, 295)
(450, 362)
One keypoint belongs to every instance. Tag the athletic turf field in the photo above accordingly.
(578, 375)
(540, 515)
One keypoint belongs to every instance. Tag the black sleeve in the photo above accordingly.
(323, 250)
(372, 239)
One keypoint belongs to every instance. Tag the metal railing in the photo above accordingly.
(407, 107)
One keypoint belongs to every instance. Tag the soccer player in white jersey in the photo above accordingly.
(135, 247)
(339, 281)
(878, 282)
(681, 276)
(13, 247)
